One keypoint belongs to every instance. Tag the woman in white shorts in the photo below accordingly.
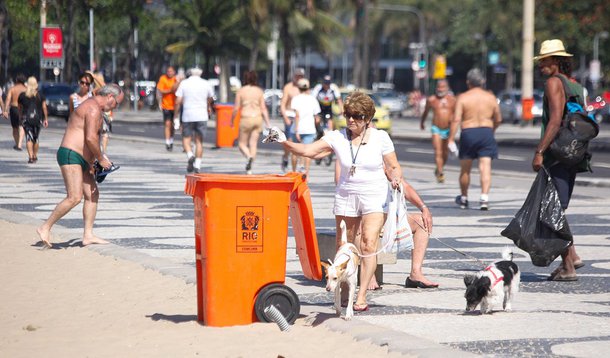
(362, 189)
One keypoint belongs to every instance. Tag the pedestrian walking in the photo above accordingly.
(477, 114)
(195, 97)
(79, 148)
(442, 105)
(250, 102)
(85, 81)
(33, 114)
(307, 116)
(555, 63)
(289, 92)
(12, 106)
(166, 96)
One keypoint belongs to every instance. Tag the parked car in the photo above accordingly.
(57, 96)
(393, 101)
(381, 120)
(510, 105)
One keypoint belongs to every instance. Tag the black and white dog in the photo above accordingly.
(499, 282)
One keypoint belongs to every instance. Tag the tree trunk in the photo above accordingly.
(3, 40)
(509, 83)
(357, 59)
(285, 36)
(255, 47)
(364, 81)
(224, 79)
(69, 43)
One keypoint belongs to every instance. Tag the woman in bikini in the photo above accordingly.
(83, 93)
(251, 103)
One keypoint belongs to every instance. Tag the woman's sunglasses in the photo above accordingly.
(85, 83)
(353, 115)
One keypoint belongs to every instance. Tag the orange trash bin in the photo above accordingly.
(241, 230)
(225, 133)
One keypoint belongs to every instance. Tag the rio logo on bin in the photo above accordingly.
(249, 229)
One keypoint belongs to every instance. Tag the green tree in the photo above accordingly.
(212, 28)
(23, 43)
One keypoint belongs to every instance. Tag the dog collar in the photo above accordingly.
(496, 277)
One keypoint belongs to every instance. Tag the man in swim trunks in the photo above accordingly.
(80, 147)
(12, 107)
(442, 105)
(478, 114)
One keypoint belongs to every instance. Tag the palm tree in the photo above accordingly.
(213, 28)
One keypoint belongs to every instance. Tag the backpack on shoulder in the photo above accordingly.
(571, 145)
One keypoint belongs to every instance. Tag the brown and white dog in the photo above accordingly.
(343, 269)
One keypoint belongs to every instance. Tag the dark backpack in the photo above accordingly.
(570, 146)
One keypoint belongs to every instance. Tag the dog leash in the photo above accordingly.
(483, 264)
(451, 247)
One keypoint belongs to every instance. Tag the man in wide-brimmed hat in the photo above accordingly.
(555, 63)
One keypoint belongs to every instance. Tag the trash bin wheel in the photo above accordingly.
(280, 296)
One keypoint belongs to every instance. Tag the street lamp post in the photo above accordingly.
(481, 37)
(594, 72)
(422, 26)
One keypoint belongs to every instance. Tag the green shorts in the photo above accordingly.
(67, 156)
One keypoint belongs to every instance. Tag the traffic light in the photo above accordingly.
(422, 61)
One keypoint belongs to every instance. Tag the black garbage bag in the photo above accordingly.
(540, 227)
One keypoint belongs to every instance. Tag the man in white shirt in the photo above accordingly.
(307, 110)
(195, 97)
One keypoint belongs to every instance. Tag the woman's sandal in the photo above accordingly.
(360, 308)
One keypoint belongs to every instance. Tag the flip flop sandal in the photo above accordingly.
(360, 308)
(565, 278)
(101, 173)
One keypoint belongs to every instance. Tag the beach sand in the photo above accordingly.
(74, 302)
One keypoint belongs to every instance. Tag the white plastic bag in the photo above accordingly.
(397, 235)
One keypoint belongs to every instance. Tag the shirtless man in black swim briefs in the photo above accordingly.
(478, 114)
(79, 148)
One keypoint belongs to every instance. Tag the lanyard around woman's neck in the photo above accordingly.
(352, 170)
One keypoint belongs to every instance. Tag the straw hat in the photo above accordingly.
(550, 48)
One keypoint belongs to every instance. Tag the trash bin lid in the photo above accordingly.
(193, 179)
(304, 228)
(223, 105)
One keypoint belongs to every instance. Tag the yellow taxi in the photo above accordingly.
(381, 120)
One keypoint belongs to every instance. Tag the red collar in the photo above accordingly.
(496, 277)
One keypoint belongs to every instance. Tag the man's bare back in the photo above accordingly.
(13, 95)
(477, 108)
(82, 131)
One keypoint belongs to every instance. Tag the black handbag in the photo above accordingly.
(571, 144)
